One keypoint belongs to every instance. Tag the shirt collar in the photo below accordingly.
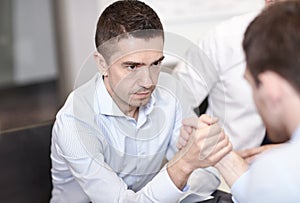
(106, 106)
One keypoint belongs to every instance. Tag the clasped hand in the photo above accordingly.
(202, 142)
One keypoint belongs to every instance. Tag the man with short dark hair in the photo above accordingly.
(214, 69)
(111, 137)
(271, 44)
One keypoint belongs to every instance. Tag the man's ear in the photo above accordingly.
(101, 63)
(272, 86)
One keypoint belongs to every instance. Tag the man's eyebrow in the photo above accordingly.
(133, 63)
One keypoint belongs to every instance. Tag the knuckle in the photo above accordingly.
(223, 136)
(203, 116)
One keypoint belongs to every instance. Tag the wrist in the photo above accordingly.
(179, 171)
(231, 166)
(225, 161)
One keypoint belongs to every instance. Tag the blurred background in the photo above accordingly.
(45, 45)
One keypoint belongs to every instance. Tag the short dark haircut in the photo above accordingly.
(126, 17)
(272, 42)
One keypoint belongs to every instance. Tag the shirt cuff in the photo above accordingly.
(164, 189)
(239, 187)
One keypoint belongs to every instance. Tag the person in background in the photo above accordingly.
(272, 50)
(111, 137)
(215, 68)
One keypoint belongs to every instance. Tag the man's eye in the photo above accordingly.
(132, 67)
(156, 63)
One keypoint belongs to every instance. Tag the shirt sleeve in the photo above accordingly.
(82, 151)
(203, 182)
(267, 179)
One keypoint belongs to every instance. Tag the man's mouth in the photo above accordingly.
(142, 93)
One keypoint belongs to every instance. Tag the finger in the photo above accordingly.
(220, 150)
(191, 122)
(221, 153)
(182, 142)
(209, 120)
(247, 153)
(184, 132)
(215, 145)
(250, 152)
(188, 129)
(250, 159)
(179, 146)
(183, 138)
(212, 131)
(207, 137)
(203, 121)
(218, 154)
(223, 143)
(203, 139)
(210, 143)
(244, 153)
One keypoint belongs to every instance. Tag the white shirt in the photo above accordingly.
(215, 67)
(273, 177)
(101, 155)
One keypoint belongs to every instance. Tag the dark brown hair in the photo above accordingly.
(126, 17)
(272, 42)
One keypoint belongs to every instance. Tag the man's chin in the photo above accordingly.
(139, 102)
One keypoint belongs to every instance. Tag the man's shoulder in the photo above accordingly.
(223, 44)
(228, 31)
(277, 170)
(235, 24)
(279, 158)
(80, 100)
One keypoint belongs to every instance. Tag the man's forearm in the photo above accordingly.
(179, 171)
(232, 166)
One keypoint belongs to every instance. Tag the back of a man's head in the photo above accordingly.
(272, 42)
(127, 16)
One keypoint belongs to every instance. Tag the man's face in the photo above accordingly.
(268, 110)
(133, 71)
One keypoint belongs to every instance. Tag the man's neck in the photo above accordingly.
(134, 113)
(128, 110)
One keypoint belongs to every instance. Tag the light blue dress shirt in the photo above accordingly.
(101, 155)
(274, 177)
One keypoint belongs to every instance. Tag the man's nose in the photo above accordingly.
(145, 78)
